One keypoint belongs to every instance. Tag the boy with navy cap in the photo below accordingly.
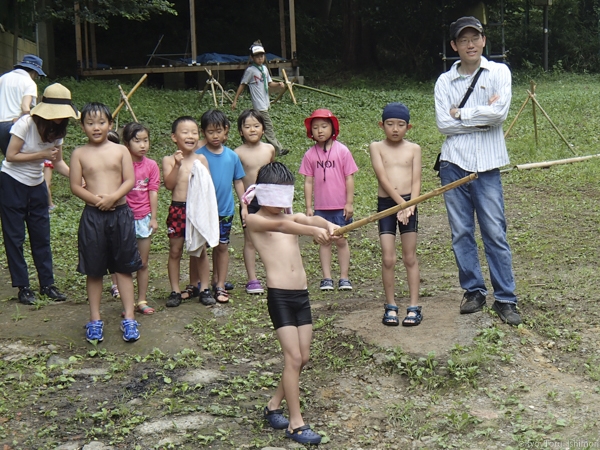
(397, 165)
(475, 143)
(18, 93)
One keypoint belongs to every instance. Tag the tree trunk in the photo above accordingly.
(16, 33)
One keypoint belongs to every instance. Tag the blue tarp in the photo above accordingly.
(221, 58)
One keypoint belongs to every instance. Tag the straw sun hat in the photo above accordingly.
(56, 104)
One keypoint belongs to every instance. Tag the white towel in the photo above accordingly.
(202, 213)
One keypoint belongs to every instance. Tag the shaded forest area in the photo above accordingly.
(403, 37)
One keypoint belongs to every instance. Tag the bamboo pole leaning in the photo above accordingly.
(133, 89)
(394, 209)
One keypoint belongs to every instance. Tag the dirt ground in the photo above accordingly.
(527, 396)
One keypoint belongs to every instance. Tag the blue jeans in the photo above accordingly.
(483, 197)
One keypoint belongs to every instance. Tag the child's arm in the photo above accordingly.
(60, 165)
(308, 193)
(239, 91)
(415, 191)
(107, 201)
(171, 165)
(349, 207)
(288, 225)
(381, 174)
(238, 185)
(75, 176)
(153, 210)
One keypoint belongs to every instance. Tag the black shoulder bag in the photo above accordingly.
(470, 90)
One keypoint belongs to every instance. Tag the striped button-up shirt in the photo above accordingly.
(475, 142)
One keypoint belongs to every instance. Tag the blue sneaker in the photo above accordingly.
(130, 331)
(326, 284)
(344, 284)
(94, 331)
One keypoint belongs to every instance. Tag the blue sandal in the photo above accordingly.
(412, 321)
(276, 418)
(303, 435)
(388, 319)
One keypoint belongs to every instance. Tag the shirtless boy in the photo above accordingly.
(176, 175)
(253, 154)
(275, 237)
(397, 165)
(106, 237)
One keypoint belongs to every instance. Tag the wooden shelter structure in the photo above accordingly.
(87, 61)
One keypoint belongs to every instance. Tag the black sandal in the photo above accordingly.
(412, 321)
(388, 319)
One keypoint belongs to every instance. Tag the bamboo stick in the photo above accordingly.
(124, 97)
(535, 130)
(533, 99)
(394, 209)
(516, 117)
(542, 164)
(133, 89)
(289, 85)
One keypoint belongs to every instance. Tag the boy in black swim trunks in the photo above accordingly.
(275, 237)
(397, 165)
(106, 236)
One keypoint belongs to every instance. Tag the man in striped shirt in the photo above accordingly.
(475, 143)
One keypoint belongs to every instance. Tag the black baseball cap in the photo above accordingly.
(462, 23)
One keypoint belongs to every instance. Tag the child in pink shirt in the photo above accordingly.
(143, 201)
(328, 168)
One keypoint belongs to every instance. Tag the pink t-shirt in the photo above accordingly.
(147, 178)
(329, 169)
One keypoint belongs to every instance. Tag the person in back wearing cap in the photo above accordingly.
(258, 79)
(18, 93)
(472, 100)
(23, 193)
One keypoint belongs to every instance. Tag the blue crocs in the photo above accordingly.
(130, 331)
(303, 435)
(94, 331)
(276, 418)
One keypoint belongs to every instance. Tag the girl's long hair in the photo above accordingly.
(49, 130)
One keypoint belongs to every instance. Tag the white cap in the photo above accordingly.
(257, 49)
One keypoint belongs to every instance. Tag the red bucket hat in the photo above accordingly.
(322, 114)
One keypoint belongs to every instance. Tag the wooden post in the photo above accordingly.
(282, 29)
(193, 30)
(532, 84)
(86, 49)
(78, 38)
(293, 30)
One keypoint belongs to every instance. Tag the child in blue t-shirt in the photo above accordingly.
(225, 168)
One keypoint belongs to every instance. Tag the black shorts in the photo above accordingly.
(289, 307)
(253, 208)
(176, 220)
(107, 242)
(387, 225)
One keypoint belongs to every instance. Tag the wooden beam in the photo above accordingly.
(78, 49)
(293, 30)
(178, 69)
(282, 29)
(193, 30)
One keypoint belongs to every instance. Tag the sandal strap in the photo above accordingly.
(269, 412)
(389, 307)
(302, 428)
(416, 309)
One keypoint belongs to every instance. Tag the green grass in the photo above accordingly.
(553, 216)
